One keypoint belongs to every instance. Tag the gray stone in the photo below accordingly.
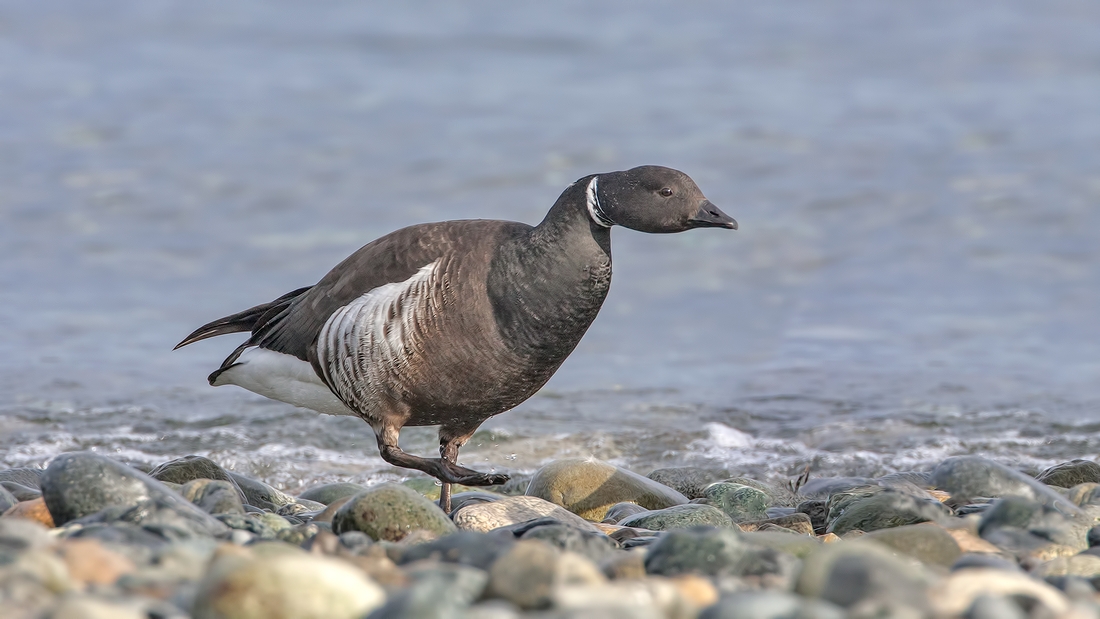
(596, 547)
(213, 497)
(7, 500)
(328, 493)
(25, 476)
(689, 481)
(969, 477)
(18, 535)
(300, 534)
(241, 522)
(738, 501)
(530, 571)
(795, 523)
(78, 485)
(718, 552)
(1037, 519)
(470, 548)
(994, 607)
(472, 497)
(510, 511)
(863, 573)
(883, 510)
(589, 487)
(259, 494)
(822, 487)
(390, 512)
(984, 561)
(770, 605)
(679, 517)
(21, 492)
(929, 544)
(777, 495)
(622, 511)
(438, 591)
(818, 511)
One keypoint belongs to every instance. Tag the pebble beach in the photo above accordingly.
(91, 537)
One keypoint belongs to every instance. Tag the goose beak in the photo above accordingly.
(710, 216)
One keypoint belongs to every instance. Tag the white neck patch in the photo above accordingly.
(595, 211)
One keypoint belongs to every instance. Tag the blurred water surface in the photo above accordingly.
(917, 183)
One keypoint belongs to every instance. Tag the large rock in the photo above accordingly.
(285, 586)
(739, 501)
(588, 487)
(718, 552)
(514, 510)
(213, 496)
(952, 596)
(390, 512)
(883, 510)
(328, 493)
(926, 543)
(866, 574)
(528, 574)
(969, 477)
(1070, 474)
(689, 481)
(680, 517)
(1015, 512)
(78, 485)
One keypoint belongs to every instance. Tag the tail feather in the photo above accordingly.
(248, 320)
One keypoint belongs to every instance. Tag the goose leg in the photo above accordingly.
(441, 469)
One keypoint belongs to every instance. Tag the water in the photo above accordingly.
(917, 183)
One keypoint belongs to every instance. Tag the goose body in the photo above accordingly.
(451, 323)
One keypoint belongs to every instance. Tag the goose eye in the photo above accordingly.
(666, 192)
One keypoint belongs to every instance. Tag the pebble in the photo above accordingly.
(718, 552)
(529, 572)
(879, 509)
(513, 510)
(23, 476)
(771, 605)
(89, 562)
(798, 523)
(464, 547)
(21, 492)
(92, 607)
(679, 517)
(738, 501)
(285, 586)
(213, 496)
(863, 573)
(34, 510)
(596, 547)
(689, 481)
(589, 487)
(7, 500)
(259, 494)
(929, 544)
(189, 468)
(390, 512)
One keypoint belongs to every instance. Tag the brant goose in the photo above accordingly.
(452, 323)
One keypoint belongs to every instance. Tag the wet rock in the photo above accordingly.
(21, 492)
(822, 487)
(968, 477)
(953, 595)
(437, 591)
(882, 510)
(7, 500)
(866, 574)
(817, 511)
(79, 485)
(513, 510)
(796, 523)
(590, 487)
(531, 570)
(771, 605)
(472, 497)
(189, 468)
(689, 481)
(285, 586)
(718, 552)
(390, 512)
(738, 501)
(328, 493)
(1070, 474)
(680, 517)
(926, 543)
(596, 547)
(259, 494)
(24, 476)
(464, 548)
(89, 562)
(213, 497)
(622, 511)
(778, 496)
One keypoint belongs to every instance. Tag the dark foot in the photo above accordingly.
(469, 477)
